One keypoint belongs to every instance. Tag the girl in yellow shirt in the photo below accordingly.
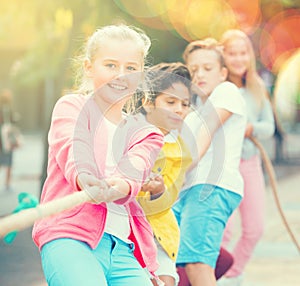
(168, 104)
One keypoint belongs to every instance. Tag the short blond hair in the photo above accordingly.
(205, 44)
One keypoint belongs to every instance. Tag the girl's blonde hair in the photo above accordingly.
(252, 81)
(120, 32)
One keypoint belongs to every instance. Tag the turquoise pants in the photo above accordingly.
(69, 262)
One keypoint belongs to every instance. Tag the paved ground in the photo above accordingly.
(20, 261)
(276, 261)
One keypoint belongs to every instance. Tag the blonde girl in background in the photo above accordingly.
(94, 146)
(240, 61)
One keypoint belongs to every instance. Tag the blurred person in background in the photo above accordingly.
(7, 117)
(240, 61)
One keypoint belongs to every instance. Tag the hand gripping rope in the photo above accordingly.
(27, 214)
(29, 211)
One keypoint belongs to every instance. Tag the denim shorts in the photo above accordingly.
(72, 262)
(202, 212)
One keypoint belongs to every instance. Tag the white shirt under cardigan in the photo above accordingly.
(220, 164)
(117, 221)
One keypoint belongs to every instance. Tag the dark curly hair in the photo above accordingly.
(159, 78)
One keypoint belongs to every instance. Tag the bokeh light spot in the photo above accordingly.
(209, 18)
(145, 8)
(287, 89)
(248, 14)
(282, 39)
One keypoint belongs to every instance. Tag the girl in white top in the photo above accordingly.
(213, 189)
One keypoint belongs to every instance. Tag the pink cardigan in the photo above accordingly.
(77, 143)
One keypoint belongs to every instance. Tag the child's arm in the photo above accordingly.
(264, 126)
(172, 182)
(69, 138)
(213, 120)
(153, 204)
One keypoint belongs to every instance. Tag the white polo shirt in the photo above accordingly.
(220, 165)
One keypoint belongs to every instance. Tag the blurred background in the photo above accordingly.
(38, 40)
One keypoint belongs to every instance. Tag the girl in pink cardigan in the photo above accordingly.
(93, 146)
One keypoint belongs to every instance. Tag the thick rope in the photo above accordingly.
(26, 217)
(273, 183)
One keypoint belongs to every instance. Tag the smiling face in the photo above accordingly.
(206, 69)
(115, 72)
(170, 108)
(237, 57)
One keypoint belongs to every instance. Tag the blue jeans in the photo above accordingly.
(69, 262)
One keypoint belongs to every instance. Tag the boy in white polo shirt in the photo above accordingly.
(213, 188)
